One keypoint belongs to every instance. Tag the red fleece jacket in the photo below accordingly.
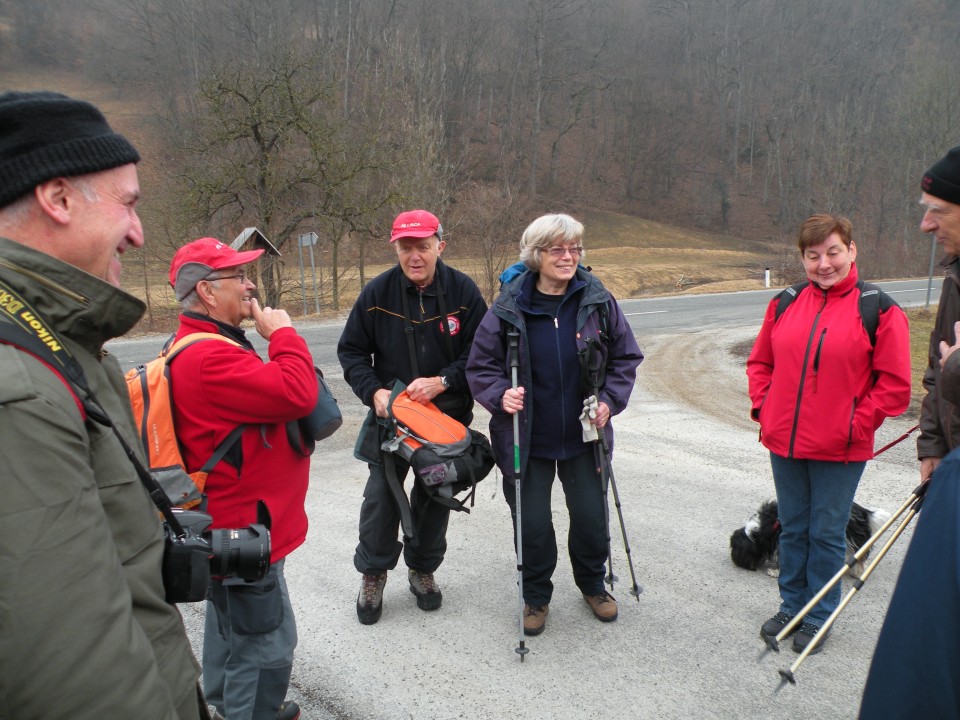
(817, 386)
(218, 386)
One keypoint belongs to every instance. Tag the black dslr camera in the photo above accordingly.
(189, 559)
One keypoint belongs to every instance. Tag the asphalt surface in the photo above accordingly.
(689, 471)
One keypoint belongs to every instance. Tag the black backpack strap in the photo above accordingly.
(787, 296)
(873, 303)
(396, 489)
(408, 331)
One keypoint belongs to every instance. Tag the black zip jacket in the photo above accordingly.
(373, 348)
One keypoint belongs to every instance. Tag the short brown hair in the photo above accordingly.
(817, 228)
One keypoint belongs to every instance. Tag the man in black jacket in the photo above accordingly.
(413, 323)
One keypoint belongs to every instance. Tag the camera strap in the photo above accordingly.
(22, 327)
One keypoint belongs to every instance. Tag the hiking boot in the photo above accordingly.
(289, 710)
(604, 606)
(370, 598)
(534, 618)
(772, 627)
(425, 588)
(805, 636)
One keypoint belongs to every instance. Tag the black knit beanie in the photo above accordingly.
(943, 179)
(44, 135)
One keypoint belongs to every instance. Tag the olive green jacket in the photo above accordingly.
(85, 631)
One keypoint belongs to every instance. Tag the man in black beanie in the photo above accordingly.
(939, 417)
(916, 664)
(87, 632)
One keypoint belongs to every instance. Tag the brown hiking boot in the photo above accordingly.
(425, 588)
(604, 606)
(534, 618)
(370, 598)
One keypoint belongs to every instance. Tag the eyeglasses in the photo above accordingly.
(241, 276)
(559, 252)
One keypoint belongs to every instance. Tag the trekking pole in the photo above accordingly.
(788, 675)
(610, 579)
(514, 358)
(773, 643)
(635, 589)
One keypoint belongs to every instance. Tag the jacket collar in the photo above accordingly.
(78, 305)
(842, 287)
(231, 331)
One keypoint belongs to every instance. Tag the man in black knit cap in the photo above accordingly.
(939, 418)
(915, 671)
(85, 631)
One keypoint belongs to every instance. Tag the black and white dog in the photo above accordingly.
(756, 544)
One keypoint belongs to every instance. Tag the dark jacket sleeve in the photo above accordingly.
(950, 378)
(487, 368)
(356, 349)
(623, 358)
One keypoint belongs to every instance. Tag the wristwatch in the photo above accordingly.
(444, 381)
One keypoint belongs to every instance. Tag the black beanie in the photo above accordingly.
(943, 179)
(44, 135)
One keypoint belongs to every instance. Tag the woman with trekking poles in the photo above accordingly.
(528, 367)
(830, 363)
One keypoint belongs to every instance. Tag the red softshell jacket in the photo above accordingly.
(817, 386)
(217, 386)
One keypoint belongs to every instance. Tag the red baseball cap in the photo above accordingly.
(416, 224)
(196, 260)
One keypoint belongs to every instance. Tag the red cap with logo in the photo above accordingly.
(196, 260)
(416, 224)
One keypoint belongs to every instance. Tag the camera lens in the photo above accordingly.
(243, 553)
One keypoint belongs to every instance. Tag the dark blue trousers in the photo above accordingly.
(915, 671)
(587, 539)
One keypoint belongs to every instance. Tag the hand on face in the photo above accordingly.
(267, 320)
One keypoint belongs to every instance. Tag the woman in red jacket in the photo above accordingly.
(820, 387)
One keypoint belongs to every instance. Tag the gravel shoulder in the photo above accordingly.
(689, 471)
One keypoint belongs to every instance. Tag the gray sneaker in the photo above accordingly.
(370, 598)
(425, 588)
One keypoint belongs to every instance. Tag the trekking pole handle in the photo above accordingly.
(513, 352)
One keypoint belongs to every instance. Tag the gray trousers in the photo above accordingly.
(248, 643)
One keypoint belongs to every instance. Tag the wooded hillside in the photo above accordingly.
(733, 116)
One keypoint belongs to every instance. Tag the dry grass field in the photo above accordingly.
(632, 256)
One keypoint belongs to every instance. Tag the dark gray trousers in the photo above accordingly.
(379, 547)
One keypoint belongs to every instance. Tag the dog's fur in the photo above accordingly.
(756, 544)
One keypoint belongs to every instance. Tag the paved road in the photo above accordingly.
(688, 648)
(648, 316)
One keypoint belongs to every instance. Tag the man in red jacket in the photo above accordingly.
(250, 632)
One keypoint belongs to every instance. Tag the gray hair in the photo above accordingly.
(544, 232)
(191, 301)
(15, 213)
